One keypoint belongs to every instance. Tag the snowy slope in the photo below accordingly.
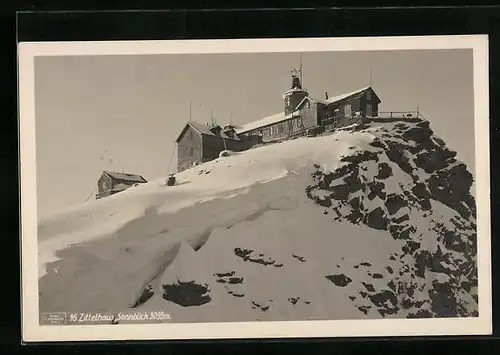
(369, 223)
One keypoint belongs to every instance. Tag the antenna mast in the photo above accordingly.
(302, 83)
(190, 110)
(370, 76)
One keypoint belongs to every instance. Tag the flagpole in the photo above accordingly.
(302, 83)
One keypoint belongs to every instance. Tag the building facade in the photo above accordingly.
(302, 115)
(198, 143)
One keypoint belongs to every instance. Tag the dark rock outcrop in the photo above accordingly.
(299, 258)
(426, 173)
(377, 219)
(340, 280)
(146, 294)
(254, 257)
(384, 171)
(187, 294)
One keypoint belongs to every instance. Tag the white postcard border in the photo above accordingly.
(33, 331)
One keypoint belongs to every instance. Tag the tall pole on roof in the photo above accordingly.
(301, 82)
(370, 76)
(190, 104)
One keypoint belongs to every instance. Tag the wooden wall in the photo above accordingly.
(364, 100)
(104, 184)
(189, 149)
(213, 145)
(295, 98)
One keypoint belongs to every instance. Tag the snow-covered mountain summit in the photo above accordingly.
(364, 223)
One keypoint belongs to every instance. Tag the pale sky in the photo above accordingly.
(131, 108)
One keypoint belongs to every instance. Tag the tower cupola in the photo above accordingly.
(295, 95)
(296, 84)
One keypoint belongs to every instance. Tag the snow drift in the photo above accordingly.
(373, 222)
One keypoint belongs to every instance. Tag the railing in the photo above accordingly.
(332, 120)
(397, 114)
(382, 116)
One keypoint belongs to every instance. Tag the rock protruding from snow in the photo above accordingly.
(340, 279)
(187, 294)
(428, 208)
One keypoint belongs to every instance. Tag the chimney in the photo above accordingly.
(326, 95)
(216, 130)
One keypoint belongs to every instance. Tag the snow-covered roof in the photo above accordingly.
(205, 130)
(125, 177)
(202, 128)
(337, 98)
(266, 121)
(294, 90)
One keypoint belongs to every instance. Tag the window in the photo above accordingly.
(347, 109)
(308, 104)
(287, 101)
(191, 151)
(368, 95)
(190, 134)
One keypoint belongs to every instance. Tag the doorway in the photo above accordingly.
(369, 111)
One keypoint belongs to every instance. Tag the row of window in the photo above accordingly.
(283, 127)
(348, 109)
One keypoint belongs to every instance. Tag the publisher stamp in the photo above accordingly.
(55, 318)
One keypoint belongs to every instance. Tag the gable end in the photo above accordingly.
(184, 130)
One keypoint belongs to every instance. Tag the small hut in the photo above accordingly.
(111, 182)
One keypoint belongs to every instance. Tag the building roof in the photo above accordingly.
(276, 118)
(124, 177)
(341, 97)
(204, 130)
(264, 122)
(335, 99)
